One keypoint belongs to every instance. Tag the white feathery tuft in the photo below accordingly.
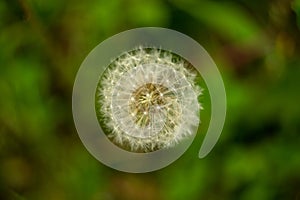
(147, 99)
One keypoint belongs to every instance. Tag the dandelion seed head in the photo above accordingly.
(148, 100)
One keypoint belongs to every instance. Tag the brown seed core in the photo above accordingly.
(146, 99)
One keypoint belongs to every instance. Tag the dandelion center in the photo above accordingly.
(149, 100)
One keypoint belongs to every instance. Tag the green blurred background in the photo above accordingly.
(256, 45)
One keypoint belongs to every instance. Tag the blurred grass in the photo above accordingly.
(256, 47)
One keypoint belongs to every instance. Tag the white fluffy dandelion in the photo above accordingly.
(147, 99)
